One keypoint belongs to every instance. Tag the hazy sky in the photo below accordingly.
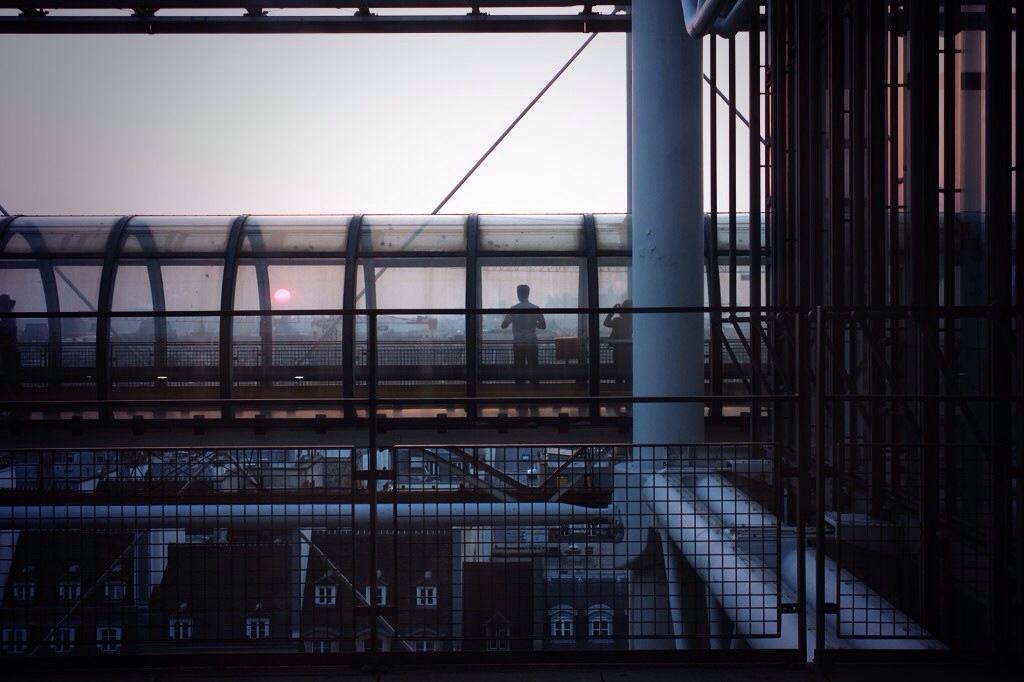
(309, 124)
(322, 124)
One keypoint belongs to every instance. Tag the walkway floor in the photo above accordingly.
(530, 674)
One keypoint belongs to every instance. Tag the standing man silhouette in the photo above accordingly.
(10, 363)
(525, 323)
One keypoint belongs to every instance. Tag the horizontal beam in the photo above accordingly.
(255, 517)
(216, 25)
(293, 4)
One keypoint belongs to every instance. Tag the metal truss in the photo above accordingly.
(244, 16)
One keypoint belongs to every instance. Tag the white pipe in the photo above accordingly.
(279, 516)
(866, 620)
(734, 508)
(747, 591)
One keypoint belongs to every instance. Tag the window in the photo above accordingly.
(600, 627)
(180, 628)
(108, 640)
(381, 591)
(498, 638)
(15, 640)
(363, 643)
(426, 595)
(257, 628)
(326, 595)
(63, 640)
(114, 590)
(24, 590)
(322, 646)
(562, 626)
(69, 590)
(599, 621)
(426, 645)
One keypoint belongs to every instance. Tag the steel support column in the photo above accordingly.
(667, 224)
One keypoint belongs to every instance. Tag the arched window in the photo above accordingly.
(599, 621)
(562, 619)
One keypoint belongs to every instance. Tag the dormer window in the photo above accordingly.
(426, 591)
(180, 628)
(23, 590)
(325, 595)
(108, 640)
(426, 595)
(63, 640)
(376, 595)
(69, 590)
(257, 627)
(114, 590)
(499, 633)
(15, 640)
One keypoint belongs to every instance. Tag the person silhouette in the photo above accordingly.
(525, 322)
(621, 339)
(10, 362)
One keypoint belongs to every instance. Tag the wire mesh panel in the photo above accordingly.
(413, 550)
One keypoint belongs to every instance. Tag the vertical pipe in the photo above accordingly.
(1018, 301)
(733, 95)
(474, 342)
(998, 207)
(875, 136)
(667, 222)
(755, 180)
(715, 337)
(922, 210)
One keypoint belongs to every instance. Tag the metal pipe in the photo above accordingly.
(865, 620)
(748, 592)
(865, 617)
(734, 508)
(279, 516)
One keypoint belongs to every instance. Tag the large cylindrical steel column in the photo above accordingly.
(668, 210)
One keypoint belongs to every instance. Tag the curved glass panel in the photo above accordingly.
(78, 288)
(554, 283)
(288, 286)
(418, 353)
(22, 281)
(301, 353)
(389, 234)
(407, 284)
(82, 235)
(178, 234)
(742, 231)
(613, 232)
(295, 234)
(531, 233)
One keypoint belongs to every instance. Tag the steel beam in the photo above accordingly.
(218, 25)
(270, 516)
